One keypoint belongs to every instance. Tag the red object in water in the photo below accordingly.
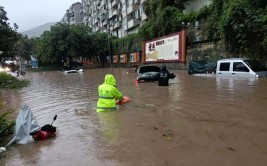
(124, 100)
(136, 81)
(43, 135)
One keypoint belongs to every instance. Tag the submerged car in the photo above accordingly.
(148, 73)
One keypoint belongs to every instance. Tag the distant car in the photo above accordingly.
(148, 73)
(8, 62)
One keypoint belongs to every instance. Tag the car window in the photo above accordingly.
(225, 66)
(240, 67)
(145, 69)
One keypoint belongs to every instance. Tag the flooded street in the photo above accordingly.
(203, 121)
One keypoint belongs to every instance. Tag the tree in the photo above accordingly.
(8, 36)
(244, 28)
(64, 40)
(164, 17)
(26, 47)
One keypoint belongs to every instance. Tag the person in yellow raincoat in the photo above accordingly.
(108, 93)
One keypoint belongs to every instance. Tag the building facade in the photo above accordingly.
(73, 15)
(117, 17)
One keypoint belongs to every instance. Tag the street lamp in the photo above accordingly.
(110, 59)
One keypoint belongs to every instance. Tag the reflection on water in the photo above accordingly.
(174, 125)
(230, 86)
(109, 126)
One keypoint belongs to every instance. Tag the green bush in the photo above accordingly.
(9, 81)
(6, 126)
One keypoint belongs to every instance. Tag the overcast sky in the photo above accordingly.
(28, 14)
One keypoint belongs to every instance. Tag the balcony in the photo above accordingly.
(133, 23)
(105, 22)
(137, 2)
(104, 11)
(105, 30)
(117, 25)
(85, 18)
(114, 13)
(103, 17)
(97, 2)
(114, 3)
(132, 8)
(111, 28)
(102, 3)
(144, 17)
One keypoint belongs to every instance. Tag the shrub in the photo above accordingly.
(6, 126)
(9, 81)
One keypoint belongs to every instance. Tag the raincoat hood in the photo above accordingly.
(110, 79)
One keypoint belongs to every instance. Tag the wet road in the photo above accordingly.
(202, 121)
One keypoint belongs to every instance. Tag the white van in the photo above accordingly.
(239, 67)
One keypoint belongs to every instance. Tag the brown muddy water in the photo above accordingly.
(203, 121)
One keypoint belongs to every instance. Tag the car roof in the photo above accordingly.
(233, 59)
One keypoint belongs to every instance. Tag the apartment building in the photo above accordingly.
(73, 15)
(117, 17)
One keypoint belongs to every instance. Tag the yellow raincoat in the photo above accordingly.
(108, 94)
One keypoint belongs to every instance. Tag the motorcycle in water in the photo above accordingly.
(46, 132)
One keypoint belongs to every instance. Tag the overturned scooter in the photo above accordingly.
(27, 129)
(47, 131)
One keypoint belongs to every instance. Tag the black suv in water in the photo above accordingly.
(148, 73)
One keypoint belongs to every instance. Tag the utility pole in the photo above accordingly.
(110, 59)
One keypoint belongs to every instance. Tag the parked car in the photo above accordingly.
(231, 67)
(148, 73)
(240, 67)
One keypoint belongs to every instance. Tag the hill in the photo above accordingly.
(38, 31)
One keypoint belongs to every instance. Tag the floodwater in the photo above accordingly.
(203, 121)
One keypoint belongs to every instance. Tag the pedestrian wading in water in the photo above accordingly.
(164, 76)
(108, 93)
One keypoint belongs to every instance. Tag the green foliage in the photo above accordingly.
(98, 43)
(64, 40)
(130, 43)
(242, 24)
(9, 81)
(165, 17)
(26, 47)
(8, 36)
(5, 124)
(244, 28)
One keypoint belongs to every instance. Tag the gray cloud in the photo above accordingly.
(31, 13)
